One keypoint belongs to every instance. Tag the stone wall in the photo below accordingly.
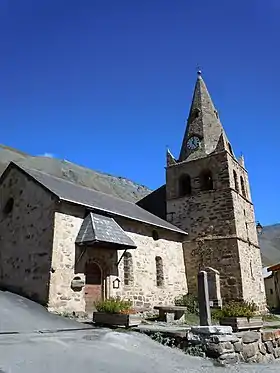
(142, 290)
(221, 225)
(67, 223)
(222, 255)
(251, 273)
(249, 346)
(26, 236)
(202, 212)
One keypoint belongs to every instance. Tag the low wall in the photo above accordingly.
(220, 343)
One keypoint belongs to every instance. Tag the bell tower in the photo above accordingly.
(208, 195)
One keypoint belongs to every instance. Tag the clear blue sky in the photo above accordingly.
(107, 84)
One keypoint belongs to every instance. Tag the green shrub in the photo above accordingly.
(236, 309)
(114, 305)
(189, 301)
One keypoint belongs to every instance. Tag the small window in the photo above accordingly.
(251, 269)
(9, 206)
(185, 187)
(128, 268)
(236, 186)
(206, 180)
(271, 291)
(155, 235)
(230, 148)
(242, 186)
(194, 114)
(159, 271)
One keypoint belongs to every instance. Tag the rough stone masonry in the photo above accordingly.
(208, 195)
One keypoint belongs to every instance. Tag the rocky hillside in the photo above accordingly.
(270, 244)
(113, 185)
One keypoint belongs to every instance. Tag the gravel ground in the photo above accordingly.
(32, 341)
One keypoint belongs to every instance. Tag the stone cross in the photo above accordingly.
(203, 299)
(214, 287)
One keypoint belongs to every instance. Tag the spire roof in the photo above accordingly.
(203, 122)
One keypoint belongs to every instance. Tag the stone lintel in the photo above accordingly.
(214, 329)
(223, 338)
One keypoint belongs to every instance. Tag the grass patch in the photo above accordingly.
(191, 319)
(270, 317)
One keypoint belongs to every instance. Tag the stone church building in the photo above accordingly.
(67, 245)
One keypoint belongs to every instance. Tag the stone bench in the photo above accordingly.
(171, 313)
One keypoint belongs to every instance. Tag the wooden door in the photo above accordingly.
(93, 286)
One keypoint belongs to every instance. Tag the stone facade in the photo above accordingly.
(26, 236)
(144, 289)
(67, 262)
(272, 289)
(39, 257)
(219, 217)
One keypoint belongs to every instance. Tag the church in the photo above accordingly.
(67, 245)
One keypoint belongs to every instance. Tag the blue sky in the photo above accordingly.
(107, 84)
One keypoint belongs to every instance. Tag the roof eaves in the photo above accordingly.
(25, 171)
(177, 230)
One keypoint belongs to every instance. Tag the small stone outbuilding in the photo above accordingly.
(67, 246)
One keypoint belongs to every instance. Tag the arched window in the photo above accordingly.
(128, 268)
(236, 186)
(159, 271)
(8, 206)
(242, 186)
(185, 187)
(206, 180)
(230, 148)
(155, 235)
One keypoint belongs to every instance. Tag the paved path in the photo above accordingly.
(103, 351)
(34, 349)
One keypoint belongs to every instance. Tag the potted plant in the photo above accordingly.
(239, 315)
(116, 312)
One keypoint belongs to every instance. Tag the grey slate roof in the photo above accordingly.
(103, 229)
(92, 199)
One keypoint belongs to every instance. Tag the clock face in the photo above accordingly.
(193, 143)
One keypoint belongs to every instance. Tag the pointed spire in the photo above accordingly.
(203, 123)
(170, 160)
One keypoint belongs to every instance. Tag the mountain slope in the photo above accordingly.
(112, 185)
(270, 244)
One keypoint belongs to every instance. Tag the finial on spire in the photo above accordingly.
(198, 71)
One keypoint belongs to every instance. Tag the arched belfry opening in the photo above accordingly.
(206, 180)
(185, 187)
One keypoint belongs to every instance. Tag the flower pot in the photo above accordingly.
(242, 323)
(116, 319)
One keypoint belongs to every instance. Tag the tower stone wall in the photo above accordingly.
(208, 195)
